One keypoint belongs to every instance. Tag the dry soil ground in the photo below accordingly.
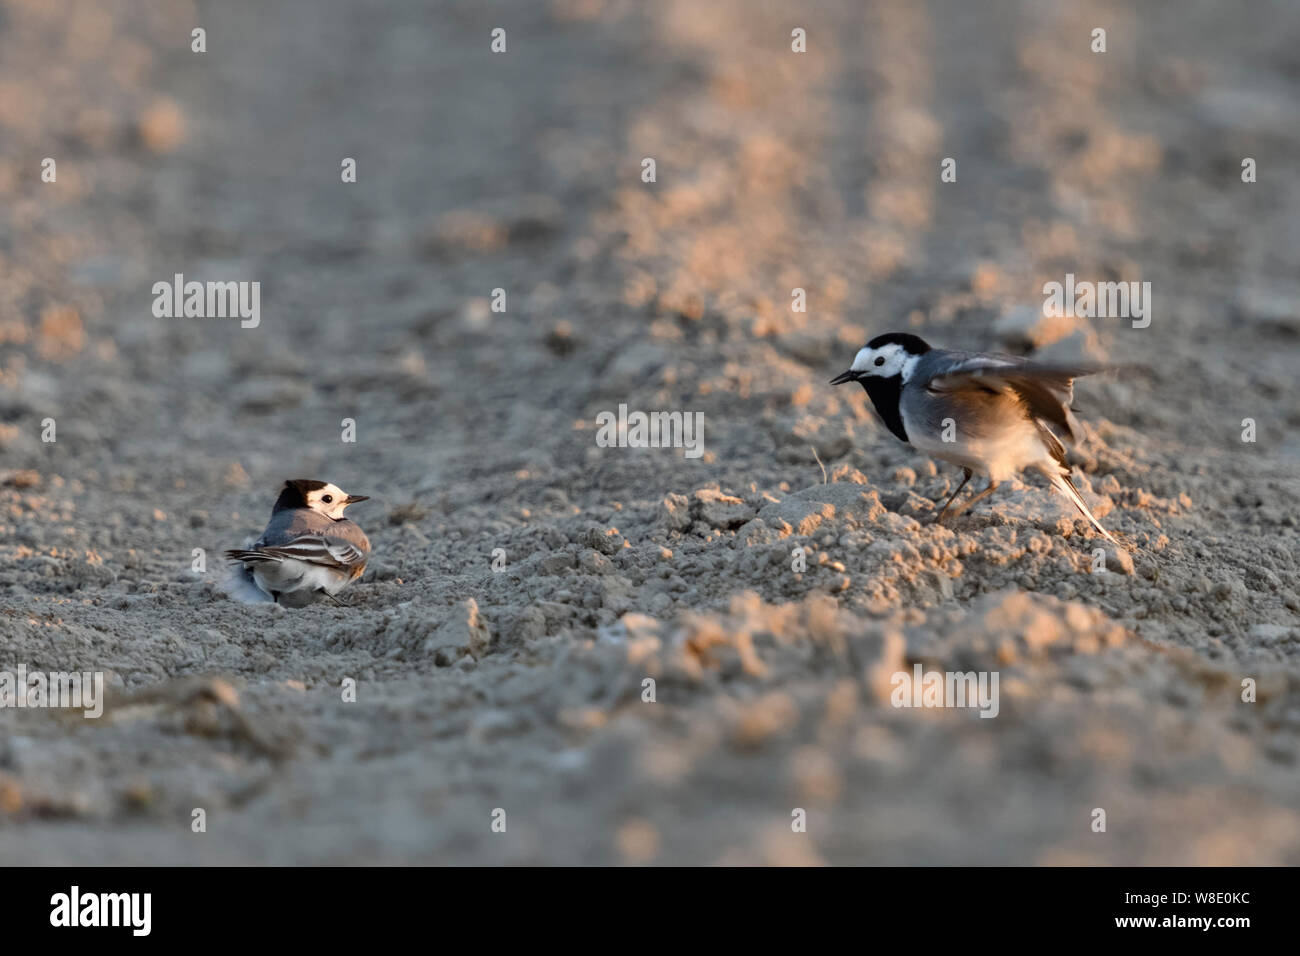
(521, 689)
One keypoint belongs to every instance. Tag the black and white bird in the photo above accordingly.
(308, 550)
(992, 414)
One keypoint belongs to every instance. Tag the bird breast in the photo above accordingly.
(987, 431)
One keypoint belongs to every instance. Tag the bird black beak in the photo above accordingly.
(849, 376)
(353, 499)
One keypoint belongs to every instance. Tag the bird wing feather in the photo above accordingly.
(323, 550)
(1046, 390)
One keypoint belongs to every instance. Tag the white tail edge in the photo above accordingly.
(1066, 487)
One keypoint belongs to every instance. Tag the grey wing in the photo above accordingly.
(287, 525)
(316, 549)
(351, 534)
(305, 536)
(1046, 390)
(977, 413)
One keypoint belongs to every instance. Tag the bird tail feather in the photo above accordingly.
(253, 554)
(240, 585)
(1063, 484)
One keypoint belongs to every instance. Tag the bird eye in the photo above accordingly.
(326, 498)
(880, 360)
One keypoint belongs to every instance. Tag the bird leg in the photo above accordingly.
(943, 512)
(966, 506)
(337, 602)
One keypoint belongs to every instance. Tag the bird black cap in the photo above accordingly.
(294, 493)
(912, 344)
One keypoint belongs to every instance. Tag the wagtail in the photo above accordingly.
(308, 550)
(992, 414)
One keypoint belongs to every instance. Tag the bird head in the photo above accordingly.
(320, 496)
(885, 356)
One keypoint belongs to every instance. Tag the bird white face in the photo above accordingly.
(331, 500)
(884, 362)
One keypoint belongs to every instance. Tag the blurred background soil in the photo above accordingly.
(522, 689)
